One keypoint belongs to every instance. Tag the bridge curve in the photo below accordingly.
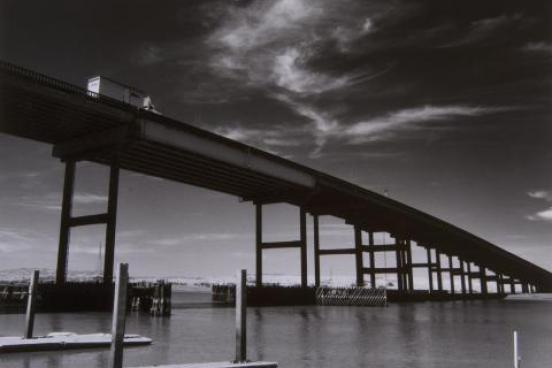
(85, 126)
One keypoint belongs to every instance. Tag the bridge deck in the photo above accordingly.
(85, 126)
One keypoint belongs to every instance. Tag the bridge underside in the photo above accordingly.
(84, 126)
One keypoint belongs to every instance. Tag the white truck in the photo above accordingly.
(107, 87)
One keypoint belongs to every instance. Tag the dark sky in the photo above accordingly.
(444, 104)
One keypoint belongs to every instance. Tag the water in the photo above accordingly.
(452, 334)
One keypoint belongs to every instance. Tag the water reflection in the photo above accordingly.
(455, 334)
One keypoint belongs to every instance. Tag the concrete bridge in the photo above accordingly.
(85, 126)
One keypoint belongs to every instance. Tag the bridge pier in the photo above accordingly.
(68, 221)
(429, 269)
(260, 245)
(359, 257)
(439, 274)
(451, 274)
(483, 279)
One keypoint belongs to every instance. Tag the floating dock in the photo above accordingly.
(64, 341)
(219, 365)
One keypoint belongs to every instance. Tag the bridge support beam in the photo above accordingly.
(316, 238)
(451, 274)
(410, 274)
(439, 273)
(372, 260)
(65, 229)
(429, 269)
(359, 257)
(68, 221)
(483, 279)
(462, 276)
(470, 283)
(260, 245)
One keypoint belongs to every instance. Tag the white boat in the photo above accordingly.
(65, 340)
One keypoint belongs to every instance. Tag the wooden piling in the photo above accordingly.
(462, 276)
(31, 296)
(241, 318)
(119, 317)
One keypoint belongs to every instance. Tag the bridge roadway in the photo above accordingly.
(85, 126)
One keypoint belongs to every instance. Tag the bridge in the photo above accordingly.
(81, 125)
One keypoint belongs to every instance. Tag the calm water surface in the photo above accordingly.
(452, 334)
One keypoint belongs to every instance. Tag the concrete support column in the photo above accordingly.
(483, 279)
(429, 269)
(463, 276)
(111, 222)
(398, 257)
(303, 237)
(451, 275)
(358, 257)
(470, 282)
(65, 228)
(439, 273)
(372, 260)
(409, 265)
(316, 237)
(258, 244)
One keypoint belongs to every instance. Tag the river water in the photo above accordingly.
(448, 334)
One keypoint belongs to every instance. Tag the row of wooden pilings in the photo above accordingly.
(120, 311)
(467, 270)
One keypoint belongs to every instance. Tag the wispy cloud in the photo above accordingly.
(373, 128)
(540, 47)
(544, 215)
(484, 29)
(540, 194)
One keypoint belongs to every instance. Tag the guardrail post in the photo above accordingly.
(29, 318)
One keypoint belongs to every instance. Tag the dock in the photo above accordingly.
(65, 341)
(218, 365)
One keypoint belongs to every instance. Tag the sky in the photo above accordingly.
(443, 105)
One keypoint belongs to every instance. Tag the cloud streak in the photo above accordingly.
(373, 128)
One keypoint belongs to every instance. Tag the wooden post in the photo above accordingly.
(65, 229)
(429, 269)
(517, 357)
(303, 234)
(372, 261)
(111, 222)
(451, 274)
(470, 283)
(31, 296)
(525, 287)
(512, 285)
(409, 266)
(119, 317)
(316, 251)
(258, 244)
(241, 318)
(439, 274)
(483, 279)
(358, 257)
